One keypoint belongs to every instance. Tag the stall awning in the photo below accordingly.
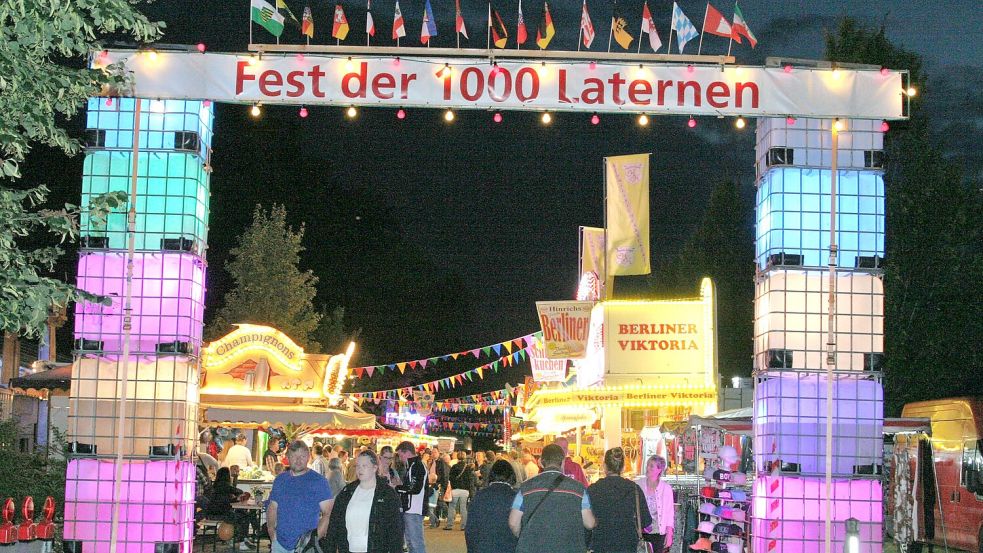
(57, 381)
(320, 418)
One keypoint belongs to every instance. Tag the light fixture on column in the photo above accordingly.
(740, 123)
(449, 115)
(643, 120)
(255, 111)
(352, 112)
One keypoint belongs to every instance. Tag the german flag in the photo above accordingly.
(500, 34)
(545, 31)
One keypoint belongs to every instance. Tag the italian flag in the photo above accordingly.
(266, 15)
(741, 28)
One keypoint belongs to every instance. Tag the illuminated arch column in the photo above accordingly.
(794, 160)
(168, 286)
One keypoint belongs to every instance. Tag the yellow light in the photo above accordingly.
(838, 125)
(152, 55)
(643, 120)
(349, 65)
(255, 111)
(911, 92)
(547, 118)
(740, 123)
(252, 59)
(836, 73)
(449, 116)
(352, 112)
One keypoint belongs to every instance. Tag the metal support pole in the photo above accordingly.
(831, 338)
(124, 362)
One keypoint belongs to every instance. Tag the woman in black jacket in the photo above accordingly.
(366, 514)
(618, 505)
(488, 521)
(219, 506)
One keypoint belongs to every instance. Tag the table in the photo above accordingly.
(255, 512)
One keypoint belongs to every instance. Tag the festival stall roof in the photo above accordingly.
(333, 420)
(56, 381)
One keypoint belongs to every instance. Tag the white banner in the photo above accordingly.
(475, 83)
(545, 369)
(565, 325)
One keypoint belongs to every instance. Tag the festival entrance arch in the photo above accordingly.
(136, 373)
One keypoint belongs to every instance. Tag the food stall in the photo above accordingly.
(256, 378)
(644, 363)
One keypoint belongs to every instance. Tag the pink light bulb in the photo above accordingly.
(885, 127)
(206, 103)
(300, 57)
(303, 111)
(401, 114)
(787, 68)
(201, 47)
(594, 119)
(790, 120)
(691, 123)
(885, 71)
(690, 68)
(396, 61)
(593, 65)
(497, 118)
(109, 101)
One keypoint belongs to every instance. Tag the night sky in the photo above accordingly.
(439, 238)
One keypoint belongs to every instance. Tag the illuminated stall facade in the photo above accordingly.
(151, 374)
(646, 362)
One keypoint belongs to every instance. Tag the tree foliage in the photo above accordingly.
(933, 319)
(43, 79)
(38, 474)
(269, 287)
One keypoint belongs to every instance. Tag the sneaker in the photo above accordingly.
(245, 546)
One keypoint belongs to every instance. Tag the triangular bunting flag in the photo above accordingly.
(476, 353)
(517, 342)
(402, 367)
(358, 372)
(480, 373)
(413, 364)
(370, 370)
(508, 346)
(498, 349)
(486, 350)
(454, 355)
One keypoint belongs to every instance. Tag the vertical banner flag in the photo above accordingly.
(619, 27)
(545, 369)
(591, 251)
(307, 27)
(266, 16)
(741, 28)
(520, 32)
(545, 31)
(499, 33)
(282, 5)
(429, 25)
(685, 31)
(586, 27)
(340, 29)
(716, 24)
(627, 183)
(399, 27)
(459, 19)
(369, 22)
(648, 26)
(565, 325)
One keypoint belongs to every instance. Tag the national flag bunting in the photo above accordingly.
(369, 22)
(619, 27)
(741, 28)
(459, 19)
(685, 31)
(586, 27)
(500, 35)
(648, 26)
(266, 16)
(716, 24)
(307, 27)
(429, 28)
(399, 27)
(340, 28)
(520, 33)
(545, 31)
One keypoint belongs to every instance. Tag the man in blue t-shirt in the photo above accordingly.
(300, 502)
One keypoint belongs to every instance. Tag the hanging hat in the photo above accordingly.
(708, 492)
(702, 544)
(706, 527)
(706, 508)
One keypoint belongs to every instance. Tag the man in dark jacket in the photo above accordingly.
(442, 471)
(551, 509)
(413, 492)
(488, 530)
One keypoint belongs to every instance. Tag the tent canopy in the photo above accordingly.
(57, 381)
(333, 419)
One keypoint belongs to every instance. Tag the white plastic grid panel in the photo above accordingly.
(791, 313)
(812, 141)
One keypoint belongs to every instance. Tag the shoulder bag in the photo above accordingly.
(643, 546)
(549, 490)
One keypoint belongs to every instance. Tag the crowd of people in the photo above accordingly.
(379, 502)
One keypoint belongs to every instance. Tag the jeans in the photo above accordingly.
(413, 533)
(277, 548)
(459, 502)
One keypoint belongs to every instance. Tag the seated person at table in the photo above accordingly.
(219, 506)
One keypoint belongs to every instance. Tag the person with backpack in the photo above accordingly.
(439, 476)
(463, 484)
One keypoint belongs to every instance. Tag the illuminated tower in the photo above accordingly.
(157, 363)
(793, 345)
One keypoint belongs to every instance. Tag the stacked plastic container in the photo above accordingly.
(156, 480)
(791, 331)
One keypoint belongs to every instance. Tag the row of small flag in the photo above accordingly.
(714, 22)
(453, 381)
(398, 395)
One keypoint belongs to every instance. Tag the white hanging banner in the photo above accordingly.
(475, 83)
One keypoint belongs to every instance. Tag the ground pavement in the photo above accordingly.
(438, 541)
